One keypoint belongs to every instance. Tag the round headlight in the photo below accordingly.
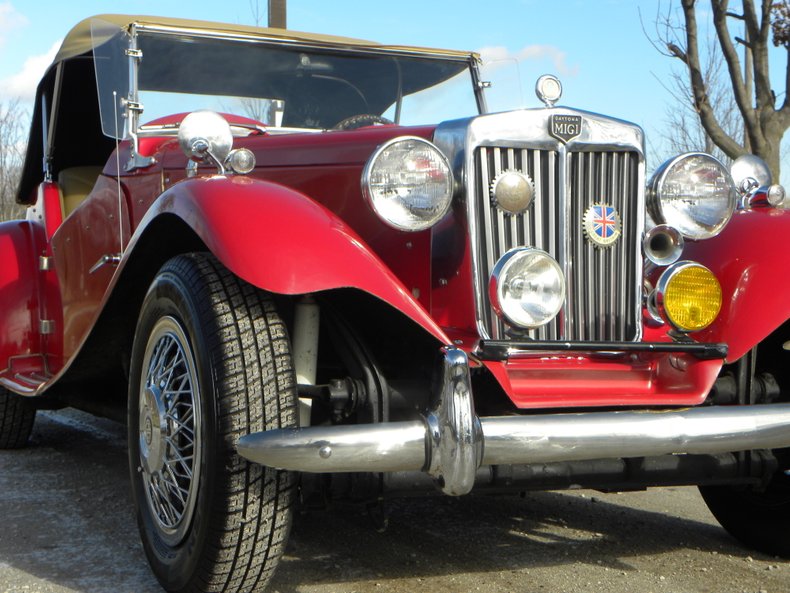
(688, 296)
(527, 287)
(693, 193)
(409, 184)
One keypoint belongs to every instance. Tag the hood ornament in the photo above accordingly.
(548, 89)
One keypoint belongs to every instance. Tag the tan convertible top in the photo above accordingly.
(78, 40)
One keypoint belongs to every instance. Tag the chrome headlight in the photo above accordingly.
(409, 184)
(527, 287)
(693, 193)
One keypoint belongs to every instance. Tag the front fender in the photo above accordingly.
(282, 241)
(750, 258)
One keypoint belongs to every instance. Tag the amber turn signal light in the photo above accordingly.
(688, 296)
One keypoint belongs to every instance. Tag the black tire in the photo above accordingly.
(758, 519)
(17, 416)
(209, 520)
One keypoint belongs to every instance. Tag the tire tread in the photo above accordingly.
(249, 346)
(17, 416)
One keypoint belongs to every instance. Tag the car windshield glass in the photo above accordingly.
(298, 87)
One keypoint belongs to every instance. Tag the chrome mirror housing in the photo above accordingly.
(206, 136)
(750, 172)
(754, 182)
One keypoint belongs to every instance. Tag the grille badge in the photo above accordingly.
(601, 225)
(512, 192)
(565, 127)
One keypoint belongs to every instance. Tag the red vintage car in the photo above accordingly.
(296, 263)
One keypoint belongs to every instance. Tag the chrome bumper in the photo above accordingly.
(451, 442)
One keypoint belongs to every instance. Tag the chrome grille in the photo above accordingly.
(602, 297)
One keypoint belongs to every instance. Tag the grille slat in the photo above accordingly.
(601, 299)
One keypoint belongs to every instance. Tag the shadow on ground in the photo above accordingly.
(68, 526)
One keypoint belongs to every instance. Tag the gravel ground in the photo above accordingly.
(67, 526)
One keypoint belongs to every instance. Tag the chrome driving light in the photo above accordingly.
(776, 195)
(527, 287)
(688, 296)
(408, 183)
(241, 161)
(693, 193)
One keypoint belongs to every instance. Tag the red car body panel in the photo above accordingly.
(87, 235)
(20, 339)
(585, 380)
(305, 197)
(750, 261)
(316, 250)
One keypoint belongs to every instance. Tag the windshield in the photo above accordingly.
(298, 87)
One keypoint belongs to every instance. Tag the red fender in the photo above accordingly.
(750, 260)
(20, 343)
(282, 241)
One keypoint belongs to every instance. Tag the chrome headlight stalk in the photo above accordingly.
(527, 287)
(408, 183)
(693, 193)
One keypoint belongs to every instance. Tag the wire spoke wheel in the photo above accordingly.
(169, 429)
(210, 363)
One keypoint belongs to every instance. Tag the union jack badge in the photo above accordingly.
(601, 225)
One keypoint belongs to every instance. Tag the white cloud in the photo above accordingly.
(23, 84)
(532, 53)
(10, 20)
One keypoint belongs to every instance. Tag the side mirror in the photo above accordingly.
(205, 135)
(753, 180)
(749, 172)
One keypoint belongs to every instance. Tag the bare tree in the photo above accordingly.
(683, 131)
(257, 13)
(764, 120)
(12, 150)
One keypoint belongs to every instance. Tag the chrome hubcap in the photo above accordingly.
(169, 429)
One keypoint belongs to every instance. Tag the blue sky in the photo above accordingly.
(597, 47)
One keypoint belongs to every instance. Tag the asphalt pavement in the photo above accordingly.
(67, 526)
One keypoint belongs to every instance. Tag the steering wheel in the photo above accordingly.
(360, 121)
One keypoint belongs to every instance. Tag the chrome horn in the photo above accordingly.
(663, 245)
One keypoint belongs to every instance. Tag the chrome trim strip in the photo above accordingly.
(606, 435)
(563, 241)
(401, 446)
(335, 45)
(453, 428)
(388, 447)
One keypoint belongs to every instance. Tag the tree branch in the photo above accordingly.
(677, 52)
(757, 31)
(733, 62)
(702, 103)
